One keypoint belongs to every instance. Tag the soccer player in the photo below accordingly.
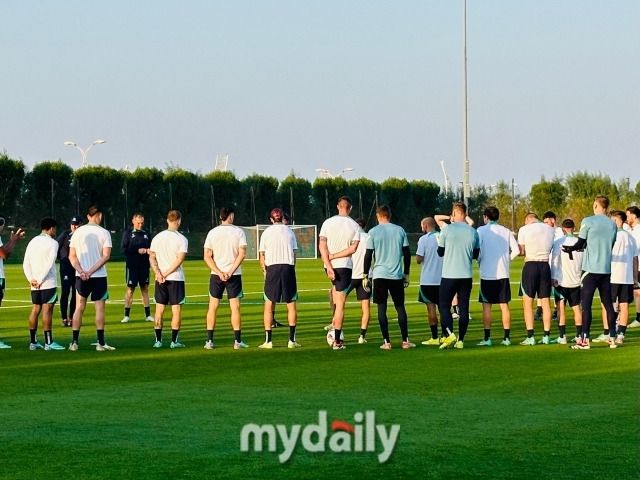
(286, 220)
(5, 252)
(597, 236)
(498, 247)
(535, 240)
(633, 220)
(167, 252)
(39, 267)
(224, 250)
(338, 241)
(430, 274)
(135, 246)
(550, 219)
(624, 275)
(67, 274)
(362, 295)
(89, 251)
(278, 249)
(458, 245)
(565, 278)
(390, 273)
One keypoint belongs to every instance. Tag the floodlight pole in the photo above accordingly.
(85, 151)
(465, 149)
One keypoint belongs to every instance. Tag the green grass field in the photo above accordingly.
(544, 412)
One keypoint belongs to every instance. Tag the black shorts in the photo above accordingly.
(356, 284)
(623, 293)
(495, 291)
(571, 295)
(342, 280)
(96, 287)
(2, 287)
(171, 292)
(429, 294)
(280, 283)
(536, 280)
(382, 287)
(40, 297)
(233, 286)
(137, 276)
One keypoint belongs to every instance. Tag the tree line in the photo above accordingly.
(53, 188)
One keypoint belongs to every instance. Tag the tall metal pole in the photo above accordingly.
(465, 150)
(513, 205)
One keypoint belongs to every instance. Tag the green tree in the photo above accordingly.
(326, 192)
(145, 192)
(583, 188)
(259, 196)
(12, 173)
(189, 193)
(49, 190)
(295, 193)
(224, 191)
(425, 196)
(101, 186)
(364, 195)
(398, 195)
(548, 195)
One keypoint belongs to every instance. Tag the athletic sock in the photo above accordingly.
(268, 336)
(174, 335)
(147, 311)
(337, 334)
(538, 310)
(562, 330)
(363, 332)
(32, 335)
(127, 311)
(547, 333)
(507, 333)
(75, 335)
(578, 331)
(529, 333)
(292, 333)
(434, 331)
(210, 335)
(622, 329)
(605, 332)
(238, 335)
(47, 337)
(158, 334)
(455, 309)
(487, 334)
(638, 316)
(100, 334)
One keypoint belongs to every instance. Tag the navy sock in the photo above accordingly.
(338, 334)
(434, 331)
(174, 335)
(210, 335)
(237, 335)
(127, 311)
(158, 334)
(147, 311)
(47, 337)
(507, 333)
(268, 332)
(363, 332)
(292, 333)
(487, 334)
(75, 335)
(32, 335)
(529, 333)
(100, 336)
(622, 329)
(562, 330)
(547, 333)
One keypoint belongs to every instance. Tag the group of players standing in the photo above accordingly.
(376, 265)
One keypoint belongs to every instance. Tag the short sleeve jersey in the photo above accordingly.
(340, 231)
(497, 245)
(459, 240)
(225, 242)
(278, 244)
(387, 240)
(358, 256)
(624, 250)
(600, 233)
(40, 261)
(635, 231)
(167, 245)
(537, 240)
(564, 270)
(431, 267)
(89, 240)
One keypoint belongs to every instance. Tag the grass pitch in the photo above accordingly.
(542, 412)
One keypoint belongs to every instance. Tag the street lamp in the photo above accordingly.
(513, 204)
(84, 152)
(324, 173)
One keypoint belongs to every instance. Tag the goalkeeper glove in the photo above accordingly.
(405, 280)
(366, 283)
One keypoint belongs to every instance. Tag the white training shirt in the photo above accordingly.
(431, 266)
(358, 256)
(635, 231)
(622, 254)
(340, 231)
(167, 245)
(278, 244)
(40, 261)
(498, 247)
(89, 240)
(225, 242)
(565, 271)
(537, 239)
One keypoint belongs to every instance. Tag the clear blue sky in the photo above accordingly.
(298, 85)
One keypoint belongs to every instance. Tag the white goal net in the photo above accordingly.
(306, 236)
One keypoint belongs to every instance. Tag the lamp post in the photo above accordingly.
(513, 204)
(324, 173)
(84, 152)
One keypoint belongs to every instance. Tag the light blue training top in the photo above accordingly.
(600, 233)
(387, 240)
(459, 239)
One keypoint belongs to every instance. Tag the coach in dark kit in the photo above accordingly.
(135, 246)
(67, 273)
